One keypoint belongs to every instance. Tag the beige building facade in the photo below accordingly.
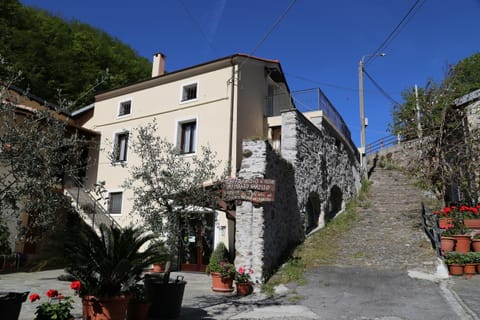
(217, 104)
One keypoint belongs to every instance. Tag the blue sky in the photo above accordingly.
(318, 43)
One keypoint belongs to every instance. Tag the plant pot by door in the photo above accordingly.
(476, 245)
(456, 269)
(99, 308)
(447, 244)
(11, 304)
(463, 243)
(244, 289)
(220, 284)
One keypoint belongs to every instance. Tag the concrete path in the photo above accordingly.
(331, 293)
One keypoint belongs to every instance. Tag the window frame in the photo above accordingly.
(185, 87)
(179, 139)
(109, 207)
(116, 135)
(120, 104)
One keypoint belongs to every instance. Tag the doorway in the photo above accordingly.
(197, 247)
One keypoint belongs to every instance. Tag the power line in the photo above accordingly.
(375, 83)
(195, 21)
(396, 31)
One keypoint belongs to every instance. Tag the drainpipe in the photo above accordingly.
(232, 104)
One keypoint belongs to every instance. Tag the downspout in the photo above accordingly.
(232, 105)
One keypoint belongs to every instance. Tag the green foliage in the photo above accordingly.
(170, 190)
(5, 247)
(37, 148)
(454, 258)
(55, 308)
(66, 57)
(220, 262)
(110, 263)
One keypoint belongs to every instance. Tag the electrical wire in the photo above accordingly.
(396, 31)
(375, 83)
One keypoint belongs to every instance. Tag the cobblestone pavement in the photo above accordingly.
(388, 234)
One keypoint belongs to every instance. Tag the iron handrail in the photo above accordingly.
(98, 210)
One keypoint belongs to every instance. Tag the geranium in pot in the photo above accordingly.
(243, 281)
(57, 306)
(455, 262)
(107, 266)
(221, 269)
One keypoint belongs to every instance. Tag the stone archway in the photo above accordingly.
(312, 211)
(335, 202)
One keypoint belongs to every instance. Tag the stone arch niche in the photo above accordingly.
(335, 202)
(313, 211)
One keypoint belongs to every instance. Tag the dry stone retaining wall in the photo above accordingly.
(314, 161)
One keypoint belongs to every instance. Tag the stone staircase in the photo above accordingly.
(389, 234)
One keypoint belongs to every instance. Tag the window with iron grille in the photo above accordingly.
(125, 108)
(189, 92)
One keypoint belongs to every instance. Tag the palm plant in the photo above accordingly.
(111, 263)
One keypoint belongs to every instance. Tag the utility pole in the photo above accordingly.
(417, 106)
(363, 150)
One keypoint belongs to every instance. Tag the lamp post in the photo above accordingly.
(363, 150)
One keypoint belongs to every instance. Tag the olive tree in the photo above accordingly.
(38, 148)
(174, 194)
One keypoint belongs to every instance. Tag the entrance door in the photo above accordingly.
(197, 249)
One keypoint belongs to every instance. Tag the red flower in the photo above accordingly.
(251, 270)
(241, 270)
(34, 297)
(76, 285)
(52, 293)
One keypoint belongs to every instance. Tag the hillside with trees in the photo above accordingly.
(444, 150)
(64, 62)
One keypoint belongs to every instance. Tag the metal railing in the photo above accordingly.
(10, 261)
(430, 226)
(314, 99)
(383, 143)
(87, 204)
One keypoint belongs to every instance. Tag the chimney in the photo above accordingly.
(158, 67)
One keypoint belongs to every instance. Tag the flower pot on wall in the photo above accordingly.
(447, 244)
(220, 284)
(98, 308)
(463, 243)
(469, 269)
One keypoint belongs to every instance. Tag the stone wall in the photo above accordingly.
(315, 175)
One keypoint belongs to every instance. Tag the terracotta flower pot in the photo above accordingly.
(98, 308)
(447, 244)
(456, 269)
(138, 311)
(220, 284)
(244, 289)
(469, 269)
(463, 243)
(472, 223)
(476, 245)
(443, 223)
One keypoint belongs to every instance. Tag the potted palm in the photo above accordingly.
(107, 266)
(221, 269)
(138, 305)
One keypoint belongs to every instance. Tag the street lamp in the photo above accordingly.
(363, 150)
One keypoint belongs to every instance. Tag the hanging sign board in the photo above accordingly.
(254, 190)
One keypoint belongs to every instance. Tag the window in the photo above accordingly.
(187, 137)
(121, 146)
(189, 92)
(115, 202)
(125, 108)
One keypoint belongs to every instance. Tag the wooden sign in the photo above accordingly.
(254, 190)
